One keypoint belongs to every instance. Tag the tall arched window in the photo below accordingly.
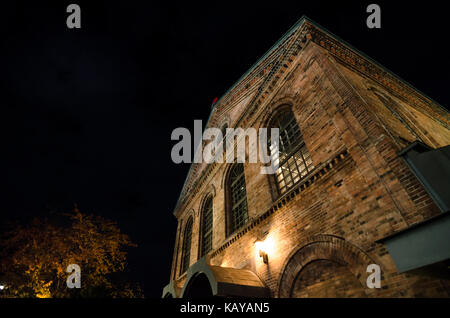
(294, 159)
(237, 214)
(206, 226)
(224, 130)
(187, 238)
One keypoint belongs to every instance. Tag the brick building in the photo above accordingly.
(355, 185)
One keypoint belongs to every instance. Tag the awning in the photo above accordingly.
(223, 281)
(428, 242)
(423, 244)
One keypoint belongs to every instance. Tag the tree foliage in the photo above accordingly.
(34, 258)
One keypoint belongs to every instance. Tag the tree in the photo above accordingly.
(34, 258)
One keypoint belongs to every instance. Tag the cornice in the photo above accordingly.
(361, 63)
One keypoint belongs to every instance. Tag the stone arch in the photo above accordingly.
(210, 191)
(274, 108)
(225, 121)
(225, 174)
(190, 213)
(223, 282)
(324, 247)
(171, 291)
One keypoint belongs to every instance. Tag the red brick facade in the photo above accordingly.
(354, 117)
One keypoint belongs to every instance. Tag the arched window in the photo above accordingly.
(185, 259)
(224, 134)
(294, 159)
(206, 227)
(237, 214)
(224, 130)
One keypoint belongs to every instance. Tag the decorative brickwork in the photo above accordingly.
(354, 117)
(326, 279)
(302, 268)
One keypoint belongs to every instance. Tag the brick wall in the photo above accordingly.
(339, 213)
(324, 278)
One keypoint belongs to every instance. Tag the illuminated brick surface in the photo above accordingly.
(354, 118)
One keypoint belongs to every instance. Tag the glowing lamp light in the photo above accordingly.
(263, 248)
(2, 287)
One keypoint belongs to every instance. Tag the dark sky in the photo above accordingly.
(86, 115)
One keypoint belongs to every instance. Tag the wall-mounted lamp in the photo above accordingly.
(262, 251)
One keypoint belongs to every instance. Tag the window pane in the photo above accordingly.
(294, 161)
(207, 226)
(186, 246)
(238, 195)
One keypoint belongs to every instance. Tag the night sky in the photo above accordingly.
(86, 114)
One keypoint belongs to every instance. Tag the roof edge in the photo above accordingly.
(296, 26)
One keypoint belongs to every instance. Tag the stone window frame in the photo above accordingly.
(229, 226)
(208, 197)
(185, 250)
(302, 149)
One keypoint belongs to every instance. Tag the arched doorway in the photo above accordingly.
(325, 266)
(198, 287)
(204, 280)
